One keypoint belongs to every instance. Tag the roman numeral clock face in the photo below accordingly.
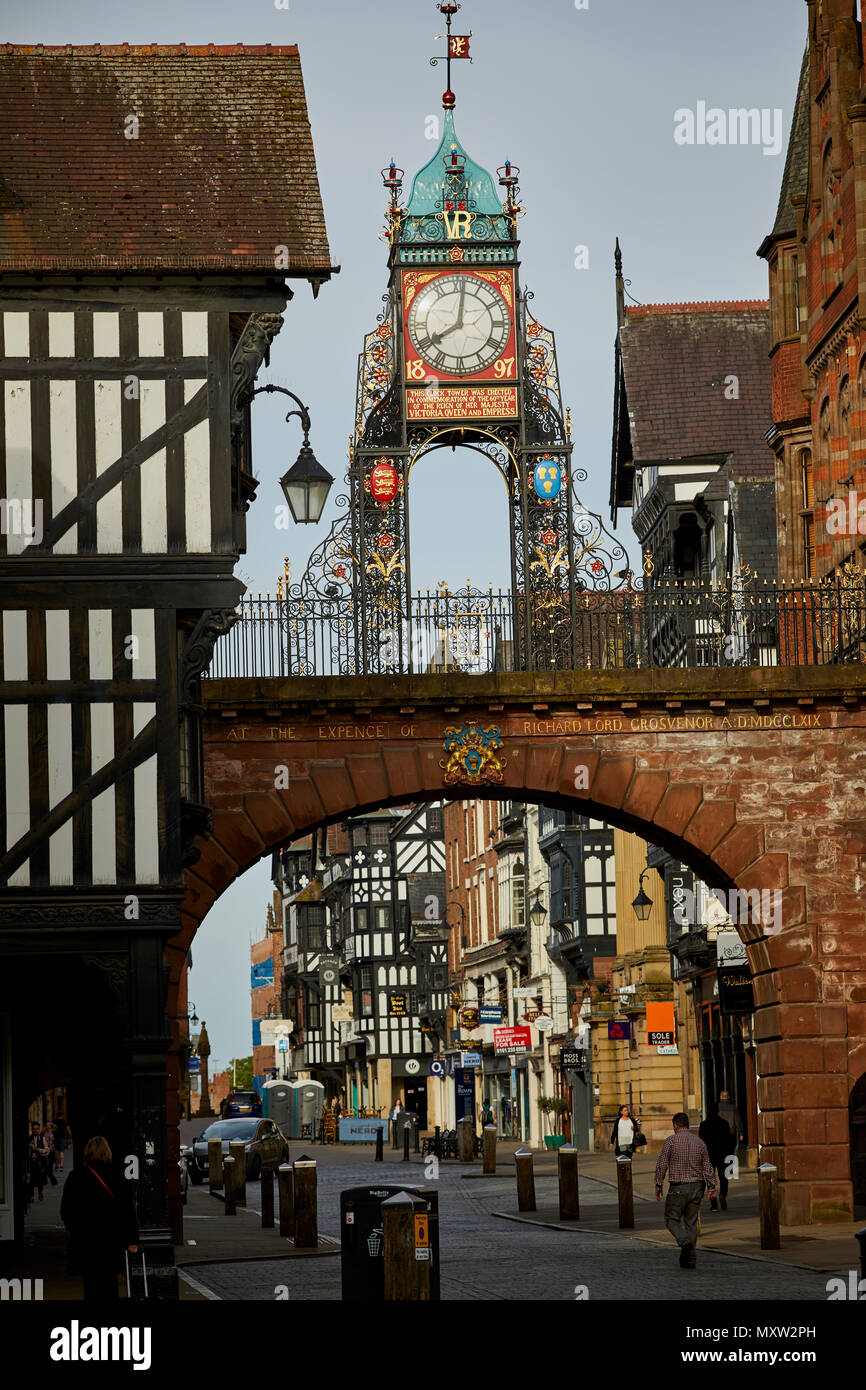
(459, 324)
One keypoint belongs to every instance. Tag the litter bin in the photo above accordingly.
(362, 1253)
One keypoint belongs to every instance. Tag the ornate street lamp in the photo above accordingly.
(306, 485)
(537, 911)
(642, 904)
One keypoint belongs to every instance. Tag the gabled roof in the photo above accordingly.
(152, 157)
(693, 380)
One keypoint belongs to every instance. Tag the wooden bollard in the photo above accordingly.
(405, 1232)
(489, 1149)
(238, 1151)
(215, 1164)
(768, 1205)
(267, 1198)
(380, 1157)
(569, 1191)
(306, 1205)
(287, 1199)
(625, 1192)
(229, 1185)
(523, 1163)
(465, 1140)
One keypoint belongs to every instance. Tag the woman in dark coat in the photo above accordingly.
(98, 1212)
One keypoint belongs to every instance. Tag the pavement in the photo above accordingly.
(489, 1251)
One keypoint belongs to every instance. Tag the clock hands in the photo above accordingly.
(452, 328)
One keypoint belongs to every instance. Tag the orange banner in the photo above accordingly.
(660, 1017)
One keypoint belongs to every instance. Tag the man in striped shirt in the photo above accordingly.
(685, 1159)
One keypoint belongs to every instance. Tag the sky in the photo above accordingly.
(588, 102)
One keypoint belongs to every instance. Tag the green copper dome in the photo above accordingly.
(452, 182)
(427, 197)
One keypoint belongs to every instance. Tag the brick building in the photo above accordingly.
(265, 978)
(816, 257)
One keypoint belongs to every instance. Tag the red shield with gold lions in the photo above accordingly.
(384, 482)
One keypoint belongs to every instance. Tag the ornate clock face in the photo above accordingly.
(459, 324)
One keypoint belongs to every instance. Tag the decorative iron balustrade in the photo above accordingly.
(745, 623)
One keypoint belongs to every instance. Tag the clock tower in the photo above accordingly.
(457, 359)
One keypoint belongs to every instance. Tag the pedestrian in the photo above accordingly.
(624, 1133)
(731, 1114)
(62, 1137)
(721, 1146)
(47, 1138)
(486, 1114)
(36, 1155)
(685, 1159)
(98, 1212)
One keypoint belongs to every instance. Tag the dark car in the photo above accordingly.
(266, 1146)
(242, 1103)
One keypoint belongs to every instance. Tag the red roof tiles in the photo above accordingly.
(220, 174)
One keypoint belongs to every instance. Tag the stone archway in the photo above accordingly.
(755, 791)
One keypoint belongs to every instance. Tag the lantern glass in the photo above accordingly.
(306, 487)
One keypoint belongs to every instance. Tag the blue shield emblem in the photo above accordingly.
(547, 479)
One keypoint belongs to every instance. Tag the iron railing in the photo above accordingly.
(475, 631)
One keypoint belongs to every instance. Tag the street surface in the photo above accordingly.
(485, 1257)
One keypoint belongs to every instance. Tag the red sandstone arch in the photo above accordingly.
(743, 809)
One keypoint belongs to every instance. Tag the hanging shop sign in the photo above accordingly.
(735, 990)
(468, 1017)
(660, 1026)
(543, 1022)
(571, 1059)
(489, 1014)
(514, 1040)
(619, 1029)
(398, 1003)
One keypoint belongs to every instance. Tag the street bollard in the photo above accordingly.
(406, 1158)
(394, 1133)
(861, 1236)
(523, 1161)
(465, 1140)
(625, 1192)
(569, 1191)
(229, 1185)
(306, 1206)
(489, 1149)
(380, 1157)
(406, 1248)
(437, 1141)
(768, 1205)
(287, 1199)
(267, 1199)
(238, 1151)
(417, 1129)
(215, 1164)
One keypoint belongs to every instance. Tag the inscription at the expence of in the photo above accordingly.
(555, 727)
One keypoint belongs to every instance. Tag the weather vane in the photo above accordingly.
(458, 47)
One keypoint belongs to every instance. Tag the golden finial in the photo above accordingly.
(568, 422)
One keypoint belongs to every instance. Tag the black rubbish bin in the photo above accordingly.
(362, 1253)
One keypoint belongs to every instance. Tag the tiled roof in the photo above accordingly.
(679, 363)
(221, 172)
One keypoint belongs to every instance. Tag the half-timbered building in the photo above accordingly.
(152, 211)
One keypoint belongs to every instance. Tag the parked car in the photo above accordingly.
(242, 1103)
(266, 1146)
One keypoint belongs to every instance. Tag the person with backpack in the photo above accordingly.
(98, 1212)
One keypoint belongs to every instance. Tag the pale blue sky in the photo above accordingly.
(583, 101)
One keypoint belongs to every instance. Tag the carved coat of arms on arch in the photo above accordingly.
(472, 755)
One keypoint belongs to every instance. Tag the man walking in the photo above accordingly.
(722, 1148)
(685, 1159)
(731, 1115)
